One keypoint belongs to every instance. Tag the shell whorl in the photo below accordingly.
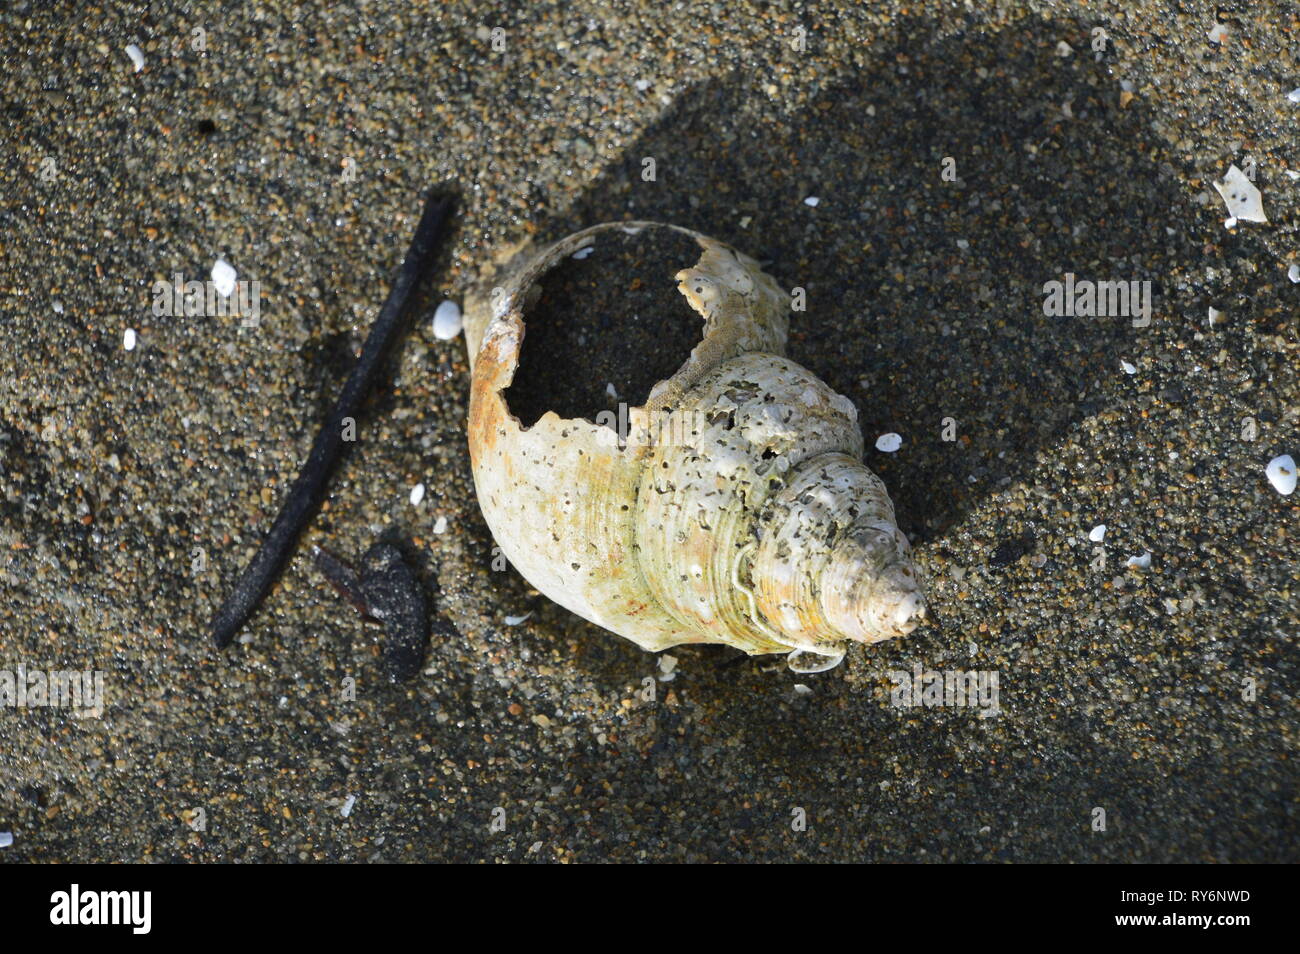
(756, 514)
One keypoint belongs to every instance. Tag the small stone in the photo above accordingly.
(447, 321)
(889, 443)
(440, 525)
(128, 339)
(417, 494)
(137, 56)
(1097, 533)
(223, 277)
(1281, 474)
(1241, 197)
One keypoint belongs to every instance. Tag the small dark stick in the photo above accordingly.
(269, 560)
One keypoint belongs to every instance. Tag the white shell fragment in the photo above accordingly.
(889, 443)
(346, 810)
(417, 494)
(137, 57)
(1218, 33)
(1241, 197)
(516, 620)
(1127, 367)
(223, 277)
(1294, 95)
(812, 201)
(1293, 273)
(737, 511)
(128, 339)
(1097, 533)
(440, 525)
(1140, 562)
(1281, 474)
(446, 321)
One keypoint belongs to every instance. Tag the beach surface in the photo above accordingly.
(922, 171)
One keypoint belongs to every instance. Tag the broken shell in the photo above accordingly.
(736, 509)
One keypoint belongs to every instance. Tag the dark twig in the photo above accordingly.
(269, 560)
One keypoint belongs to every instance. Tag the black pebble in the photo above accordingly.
(394, 597)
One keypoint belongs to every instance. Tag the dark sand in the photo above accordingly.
(123, 471)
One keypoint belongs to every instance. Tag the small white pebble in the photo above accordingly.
(1215, 315)
(137, 56)
(223, 277)
(801, 690)
(1292, 173)
(963, 244)
(6, 839)
(1218, 33)
(642, 85)
(744, 223)
(1293, 273)
(440, 525)
(1230, 222)
(1128, 368)
(1139, 562)
(516, 620)
(889, 442)
(347, 806)
(447, 321)
(58, 307)
(667, 663)
(128, 339)
(1097, 533)
(417, 494)
(1294, 95)
(610, 390)
(583, 252)
(1064, 49)
(1239, 194)
(812, 201)
(1281, 474)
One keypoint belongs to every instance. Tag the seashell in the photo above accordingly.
(734, 509)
